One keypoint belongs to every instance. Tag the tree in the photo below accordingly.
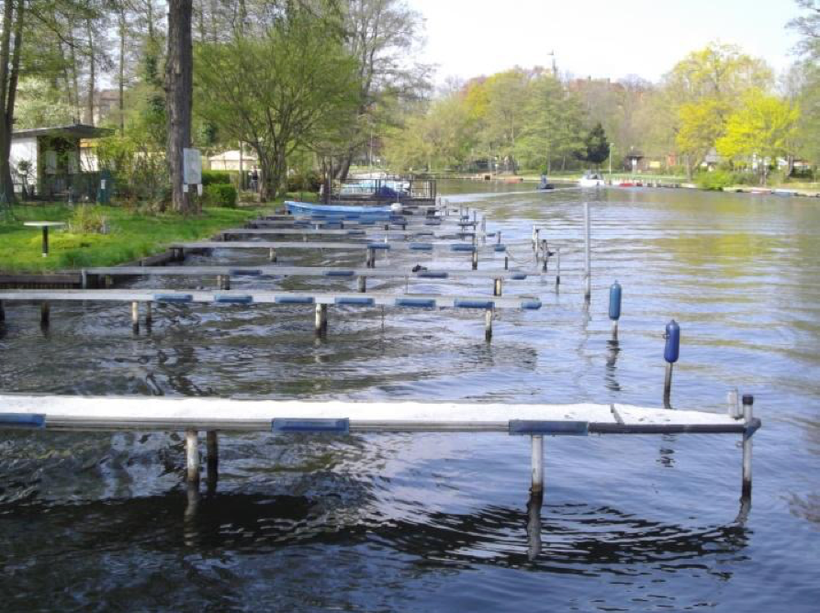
(277, 90)
(808, 27)
(596, 146)
(764, 126)
(179, 98)
(11, 39)
(382, 36)
(714, 79)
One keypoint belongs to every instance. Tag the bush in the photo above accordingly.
(304, 182)
(87, 219)
(220, 194)
(215, 177)
(715, 180)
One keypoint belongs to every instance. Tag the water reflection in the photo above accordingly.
(613, 349)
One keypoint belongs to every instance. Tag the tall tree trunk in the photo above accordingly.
(74, 80)
(121, 99)
(92, 73)
(178, 96)
(8, 90)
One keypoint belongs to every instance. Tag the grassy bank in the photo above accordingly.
(131, 235)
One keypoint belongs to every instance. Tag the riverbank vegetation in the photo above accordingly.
(302, 90)
(100, 235)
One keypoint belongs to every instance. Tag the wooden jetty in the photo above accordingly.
(213, 415)
(319, 300)
(352, 233)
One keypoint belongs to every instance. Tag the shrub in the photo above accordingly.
(220, 194)
(716, 180)
(87, 219)
(309, 181)
(216, 177)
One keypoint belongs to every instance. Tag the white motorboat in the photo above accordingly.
(591, 179)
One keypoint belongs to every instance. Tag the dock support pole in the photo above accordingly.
(667, 384)
(148, 316)
(587, 267)
(475, 259)
(488, 325)
(212, 444)
(321, 319)
(362, 284)
(497, 287)
(506, 262)
(223, 282)
(546, 252)
(135, 316)
(498, 237)
(192, 455)
(557, 267)
(537, 464)
(2, 312)
(45, 314)
(534, 525)
(748, 402)
(371, 258)
(272, 255)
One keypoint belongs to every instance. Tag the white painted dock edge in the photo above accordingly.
(176, 414)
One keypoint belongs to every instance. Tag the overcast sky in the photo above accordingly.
(598, 38)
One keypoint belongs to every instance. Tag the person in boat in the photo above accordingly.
(544, 184)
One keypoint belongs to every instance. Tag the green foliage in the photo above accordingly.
(596, 146)
(87, 219)
(764, 126)
(716, 180)
(308, 181)
(220, 195)
(283, 89)
(211, 177)
(138, 234)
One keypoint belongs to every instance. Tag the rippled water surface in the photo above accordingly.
(434, 522)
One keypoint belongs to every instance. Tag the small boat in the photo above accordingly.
(591, 179)
(342, 210)
(544, 184)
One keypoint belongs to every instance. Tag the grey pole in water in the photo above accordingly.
(45, 314)
(748, 415)
(497, 287)
(534, 524)
(135, 316)
(475, 259)
(537, 464)
(587, 266)
(488, 325)
(2, 312)
(557, 267)
(192, 455)
(148, 316)
(321, 319)
(212, 443)
(362, 284)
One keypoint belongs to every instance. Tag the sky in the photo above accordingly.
(597, 38)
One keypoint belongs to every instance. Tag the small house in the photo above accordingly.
(53, 162)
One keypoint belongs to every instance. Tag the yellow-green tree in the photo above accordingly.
(705, 87)
(765, 126)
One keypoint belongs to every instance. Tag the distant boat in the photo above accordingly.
(591, 179)
(544, 184)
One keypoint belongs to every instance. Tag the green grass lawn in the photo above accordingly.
(131, 235)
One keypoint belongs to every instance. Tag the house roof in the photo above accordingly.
(77, 130)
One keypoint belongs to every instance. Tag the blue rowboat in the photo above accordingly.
(338, 210)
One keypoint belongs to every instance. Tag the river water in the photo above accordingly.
(434, 522)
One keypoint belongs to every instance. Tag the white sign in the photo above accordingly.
(191, 166)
